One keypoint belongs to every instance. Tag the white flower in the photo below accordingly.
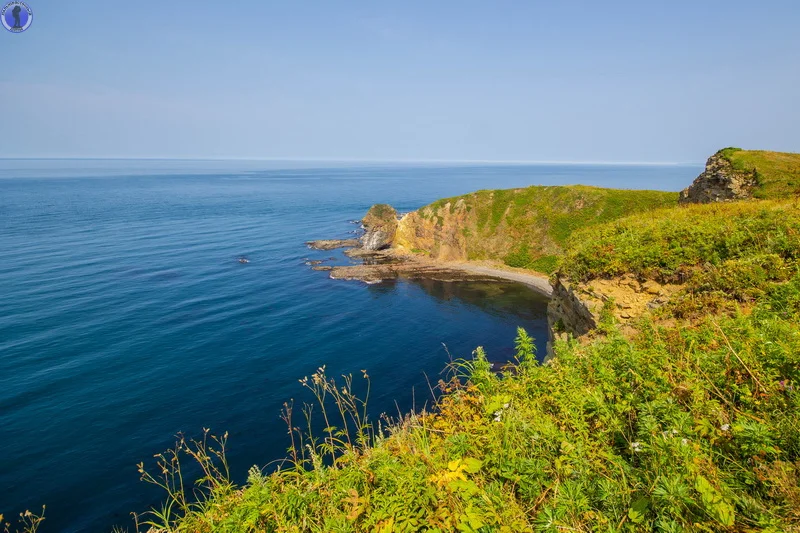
(725, 427)
(684, 441)
(636, 446)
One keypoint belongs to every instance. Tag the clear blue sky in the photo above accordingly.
(408, 80)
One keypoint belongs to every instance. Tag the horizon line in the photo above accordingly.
(363, 160)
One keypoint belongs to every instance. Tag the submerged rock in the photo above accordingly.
(378, 270)
(331, 244)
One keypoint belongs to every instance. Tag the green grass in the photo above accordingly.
(545, 263)
(722, 254)
(381, 211)
(668, 244)
(778, 173)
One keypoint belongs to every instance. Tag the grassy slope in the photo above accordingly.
(686, 426)
(778, 172)
(724, 253)
(528, 227)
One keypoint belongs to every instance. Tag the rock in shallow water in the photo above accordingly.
(331, 244)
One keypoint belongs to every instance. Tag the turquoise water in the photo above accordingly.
(125, 317)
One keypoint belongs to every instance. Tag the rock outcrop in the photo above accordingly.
(720, 182)
(380, 225)
(439, 232)
(571, 310)
(574, 308)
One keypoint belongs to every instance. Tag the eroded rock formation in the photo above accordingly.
(380, 225)
(575, 308)
(720, 182)
(436, 231)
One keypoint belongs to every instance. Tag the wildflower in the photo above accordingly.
(684, 442)
(725, 427)
(636, 446)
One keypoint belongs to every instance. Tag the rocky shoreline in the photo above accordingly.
(386, 264)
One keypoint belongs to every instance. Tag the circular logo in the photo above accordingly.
(16, 16)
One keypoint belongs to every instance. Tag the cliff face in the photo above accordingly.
(439, 232)
(451, 231)
(575, 308)
(571, 311)
(380, 225)
(720, 181)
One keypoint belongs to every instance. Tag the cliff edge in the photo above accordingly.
(721, 181)
(736, 174)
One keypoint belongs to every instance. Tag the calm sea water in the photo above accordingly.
(125, 317)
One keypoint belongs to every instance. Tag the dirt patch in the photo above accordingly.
(632, 297)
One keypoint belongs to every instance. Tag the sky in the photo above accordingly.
(611, 81)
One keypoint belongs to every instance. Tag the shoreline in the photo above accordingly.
(536, 281)
(388, 264)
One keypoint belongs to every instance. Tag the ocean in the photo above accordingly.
(126, 318)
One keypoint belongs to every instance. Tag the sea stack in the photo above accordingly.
(380, 225)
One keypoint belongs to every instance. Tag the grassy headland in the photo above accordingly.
(778, 173)
(525, 228)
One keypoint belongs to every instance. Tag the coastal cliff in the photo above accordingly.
(513, 234)
(525, 228)
(736, 174)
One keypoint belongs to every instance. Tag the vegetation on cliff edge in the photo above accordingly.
(722, 253)
(778, 173)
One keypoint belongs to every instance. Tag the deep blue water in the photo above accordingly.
(125, 317)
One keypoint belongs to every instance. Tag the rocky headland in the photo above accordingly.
(520, 235)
